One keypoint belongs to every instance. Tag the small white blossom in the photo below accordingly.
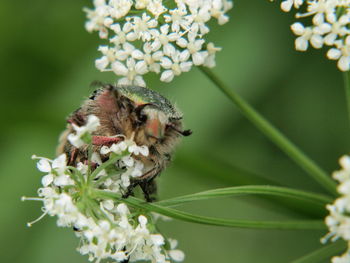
(142, 26)
(345, 258)
(152, 60)
(194, 46)
(210, 60)
(132, 72)
(175, 63)
(119, 8)
(97, 18)
(56, 170)
(77, 139)
(156, 7)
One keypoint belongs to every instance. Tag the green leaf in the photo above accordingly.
(188, 217)
(323, 253)
(252, 189)
(206, 166)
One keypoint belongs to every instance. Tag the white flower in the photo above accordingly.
(163, 38)
(287, 4)
(119, 8)
(156, 7)
(175, 254)
(141, 4)
(142, 26)
(306, 34)
(91, 125)
(177, 18)
(199, 16)
(345, 258)
(176, 63)
(108, 57)
(123, 34)
(151, 58)
(97, 18)
(56, 170)
(194, 46)
(219, 9)
(132, 72)
(342, 54)
(210, 60)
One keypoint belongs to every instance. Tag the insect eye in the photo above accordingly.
(139, 113)
(142, 117)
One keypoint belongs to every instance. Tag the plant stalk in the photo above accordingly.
(274, 135)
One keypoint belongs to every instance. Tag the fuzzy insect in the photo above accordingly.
(131, 111)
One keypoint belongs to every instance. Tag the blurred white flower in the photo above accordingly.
(338, 220)
(78, 139)
(175, 63)
(56, 170)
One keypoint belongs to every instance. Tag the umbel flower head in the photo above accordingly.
(330, 21)
(87, 198)
(163, 37)
(338, 220)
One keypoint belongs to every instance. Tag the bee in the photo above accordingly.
(135, 112)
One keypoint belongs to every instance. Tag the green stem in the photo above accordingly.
(346, 76)
(184, 216)
(323, 253)
(104, 178)
(112, 159)
(251, 189)
(76, 175)
(275, 135)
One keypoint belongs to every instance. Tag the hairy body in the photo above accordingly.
(134, 112)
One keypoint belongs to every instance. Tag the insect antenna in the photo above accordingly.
(183, 133)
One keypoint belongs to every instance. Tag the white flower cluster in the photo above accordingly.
(330, 27)
(164, 37)
(133, 167)
(106, 227)
(338, 220)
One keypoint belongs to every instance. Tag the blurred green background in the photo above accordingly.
(47, 61)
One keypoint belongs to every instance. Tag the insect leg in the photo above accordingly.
(130, 189)
(73, 156)
(147, 184)
(104, 140)
(149, 188)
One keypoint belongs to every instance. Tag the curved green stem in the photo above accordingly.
(251, 189)
(347, 90)
(323, 253)
(184, 216)
(275, 135)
